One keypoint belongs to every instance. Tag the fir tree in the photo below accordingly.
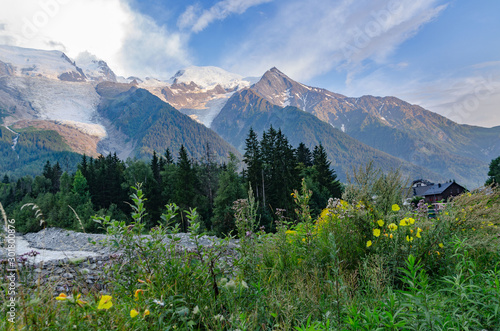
(304, 155)
(230, 189)
(253, 161)
(325, 176)
(185, 182)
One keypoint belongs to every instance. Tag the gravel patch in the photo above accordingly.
(58, 244)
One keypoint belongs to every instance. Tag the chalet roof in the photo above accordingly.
(419, 190)
(437, 188)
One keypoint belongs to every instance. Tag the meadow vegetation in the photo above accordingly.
(366, 262)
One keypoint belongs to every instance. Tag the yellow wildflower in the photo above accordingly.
(395, 207)
(409, 239)
(136, 294)
(441, 245)
(62, 297)
(392, 227)
(403, 222)
(376, 232)
(80, 302)
(146, 312)
(418, 232)
(391, 236)
(380, 223)
(134, 313)
(105, 302)
(368, 243)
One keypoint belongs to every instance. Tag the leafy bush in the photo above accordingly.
(357, 266)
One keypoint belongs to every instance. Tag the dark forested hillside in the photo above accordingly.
(32, 150)
(247, 110)
(155, 125)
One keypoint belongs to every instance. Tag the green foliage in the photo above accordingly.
(34, 148)
(312, 274)
(494, 172)
(230, 190)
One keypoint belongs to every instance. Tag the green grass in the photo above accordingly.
(312, 274)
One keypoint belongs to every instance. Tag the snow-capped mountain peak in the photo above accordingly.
(28, 62)
(94, 68)
(209, 77)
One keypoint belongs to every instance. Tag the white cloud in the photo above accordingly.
(130, 42)
(198, 20)
(306, 39)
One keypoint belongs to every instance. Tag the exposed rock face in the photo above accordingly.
(190, 96)
(6, 69)
(280, 90)
(72, 77)
(110, 89)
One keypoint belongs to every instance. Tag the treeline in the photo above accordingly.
(272, 169)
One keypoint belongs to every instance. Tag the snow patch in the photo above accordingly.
(342, 128)
(209, 77)
(57, 100)
(206, 116)
(32, 62)
(288, 97)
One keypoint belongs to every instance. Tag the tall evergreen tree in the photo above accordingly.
(153, 190)
(325, 176)
(253, 161)
(168, 157)
(185, 183)
(230, 189)
(304, 155)
(208, 180)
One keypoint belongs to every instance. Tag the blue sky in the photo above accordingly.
(441, 54)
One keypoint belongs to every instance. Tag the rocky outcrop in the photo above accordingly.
(6, 69)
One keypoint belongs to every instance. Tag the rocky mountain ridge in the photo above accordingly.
(46, 86)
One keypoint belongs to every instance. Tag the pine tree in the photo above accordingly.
(253, 161)
(154, 203)
(325, 176)
(304, 155)
(155, 167)
(185, 182)
(230, 189)
(168, 157)
(56, 177)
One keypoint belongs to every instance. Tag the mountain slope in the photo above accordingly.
(153, 125)
(28, 151)
(246, 109)
(394, 126)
